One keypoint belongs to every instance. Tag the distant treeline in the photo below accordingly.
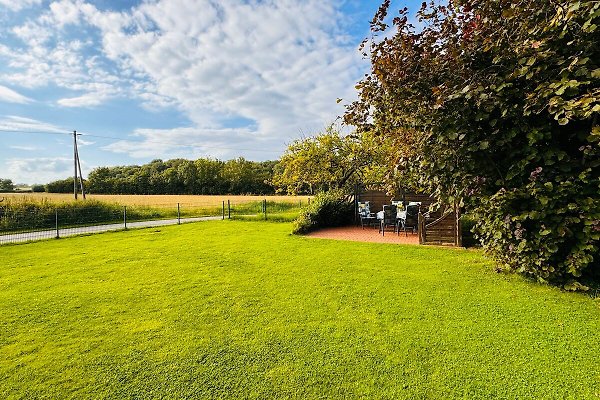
(178, 176)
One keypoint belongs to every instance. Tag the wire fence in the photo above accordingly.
(23, 222)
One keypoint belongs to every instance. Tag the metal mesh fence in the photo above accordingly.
(31, 222)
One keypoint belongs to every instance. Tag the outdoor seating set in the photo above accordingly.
(399, 215)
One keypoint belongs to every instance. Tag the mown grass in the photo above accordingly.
(231, 309)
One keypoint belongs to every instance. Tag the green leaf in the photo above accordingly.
(508, 12)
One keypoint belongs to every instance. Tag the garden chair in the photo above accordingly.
(411, 219)
(388, 218)
(365, 214)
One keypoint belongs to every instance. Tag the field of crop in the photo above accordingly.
(24, 213)
(156, 201)
(244, 310)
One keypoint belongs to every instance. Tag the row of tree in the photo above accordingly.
(178, 176)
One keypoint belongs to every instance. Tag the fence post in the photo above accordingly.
(228, 210)
(421, 228)
(265, 208)
(458, 226)
(356, 217)
(223, 209)
(178, 215)
(125, 216)
(56, 222)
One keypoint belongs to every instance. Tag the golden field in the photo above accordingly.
(155, 200)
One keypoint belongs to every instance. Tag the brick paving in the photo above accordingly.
(369, 234)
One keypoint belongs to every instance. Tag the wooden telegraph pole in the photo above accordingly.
(75, 164)
(77, 168)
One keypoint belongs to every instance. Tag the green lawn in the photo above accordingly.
(234, 309)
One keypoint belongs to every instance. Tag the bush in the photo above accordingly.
(327, 209)
(547, 231)
(38, 188)
(467, 223)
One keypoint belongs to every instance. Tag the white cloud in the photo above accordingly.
(82, 142)
(64, 12)
(195, 142)
(17, 123)
(16, 5)
(278, 66)
(32, 34)
(24, 148)
(86, 100)
(10, 96)
(43, 169)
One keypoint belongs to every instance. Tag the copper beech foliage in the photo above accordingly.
(495, 104)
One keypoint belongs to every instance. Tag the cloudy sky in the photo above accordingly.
(170, 78)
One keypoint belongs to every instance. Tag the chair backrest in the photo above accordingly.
(412, 215)
(412, 210)
(364, 209)
(389, 213)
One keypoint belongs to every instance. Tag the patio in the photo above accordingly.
(358, 234)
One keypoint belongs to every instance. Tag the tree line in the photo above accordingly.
(178, 176)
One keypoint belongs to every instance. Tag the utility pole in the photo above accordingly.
(75, 164)
(77, 167)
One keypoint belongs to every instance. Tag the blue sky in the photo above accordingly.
(170, 78)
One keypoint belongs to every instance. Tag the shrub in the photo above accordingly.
(547, 231)
(38, 188)
(327, 209)
(467, 225)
